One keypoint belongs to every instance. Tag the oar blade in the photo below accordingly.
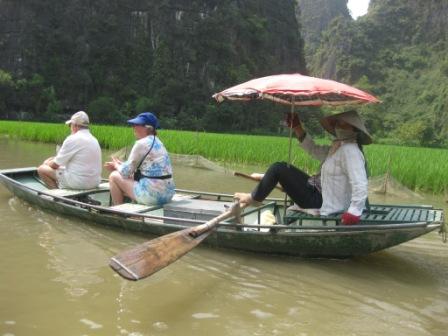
(151, 256)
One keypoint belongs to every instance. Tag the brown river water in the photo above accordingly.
(55, 279)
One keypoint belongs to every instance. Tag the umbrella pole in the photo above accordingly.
(290, 136)
(289, 153)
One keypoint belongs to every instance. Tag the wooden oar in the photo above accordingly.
(253, 179)
(151, 256)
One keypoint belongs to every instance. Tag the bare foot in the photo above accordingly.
(244, 198)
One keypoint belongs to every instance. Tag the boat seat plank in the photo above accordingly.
(416, 215)
(134, 207)
(139, 208)
(389, 215)
(422, 216)
(440, 217)
(409, 214)
(398, 214)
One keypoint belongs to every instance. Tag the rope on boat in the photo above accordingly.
(443, 232)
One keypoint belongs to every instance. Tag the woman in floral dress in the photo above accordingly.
(146, 177)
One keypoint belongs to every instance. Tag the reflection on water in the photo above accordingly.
(55, 279)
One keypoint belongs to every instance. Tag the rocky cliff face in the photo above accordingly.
(389, 25)
(26, 28)
(315, 17)
(429, 17)
(397, 51)
(158, 49)
(13, 18)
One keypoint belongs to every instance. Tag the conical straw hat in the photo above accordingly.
(350, 117)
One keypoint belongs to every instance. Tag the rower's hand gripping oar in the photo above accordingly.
(149, 257)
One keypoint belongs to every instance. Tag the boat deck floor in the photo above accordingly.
(381, 214)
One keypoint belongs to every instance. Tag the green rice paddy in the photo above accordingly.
(421, 169)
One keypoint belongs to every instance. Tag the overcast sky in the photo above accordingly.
(358, 7)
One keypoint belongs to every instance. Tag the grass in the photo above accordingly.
(423, 169)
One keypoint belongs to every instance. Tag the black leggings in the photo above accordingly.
(293, 181)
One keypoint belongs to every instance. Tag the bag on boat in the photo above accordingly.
(137, 175)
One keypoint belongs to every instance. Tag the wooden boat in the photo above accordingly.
(296, 233)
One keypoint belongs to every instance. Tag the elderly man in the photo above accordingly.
(77, 164)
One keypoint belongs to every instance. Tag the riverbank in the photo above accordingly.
(421, 169)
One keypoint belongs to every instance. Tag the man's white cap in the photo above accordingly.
(80, 118)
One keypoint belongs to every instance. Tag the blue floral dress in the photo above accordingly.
(157, 163)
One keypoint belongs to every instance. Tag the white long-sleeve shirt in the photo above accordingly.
(343, 177)
(80, 157)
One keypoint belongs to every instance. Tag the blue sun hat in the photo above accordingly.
(145, 118)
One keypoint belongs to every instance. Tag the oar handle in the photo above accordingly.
(201, 229)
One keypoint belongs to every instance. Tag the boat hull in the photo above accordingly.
(324, 242)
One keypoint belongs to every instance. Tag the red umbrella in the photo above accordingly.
(297, 89)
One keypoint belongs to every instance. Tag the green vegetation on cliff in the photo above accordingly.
(315, 17)
(398, 52)
(116, 58)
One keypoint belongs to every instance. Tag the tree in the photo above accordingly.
(104, 110)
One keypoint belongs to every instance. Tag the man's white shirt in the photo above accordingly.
(80, 161)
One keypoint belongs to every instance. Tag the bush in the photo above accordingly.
(6, 91)
(444, 68)
(54, 109)
(415, 133)
(104, 110)
(144, 104)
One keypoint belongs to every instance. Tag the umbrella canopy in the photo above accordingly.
(297, 89)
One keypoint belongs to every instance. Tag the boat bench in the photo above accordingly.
(134, 207)
(139, 208)
(378, 214)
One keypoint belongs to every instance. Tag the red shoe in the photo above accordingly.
(348, 219)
